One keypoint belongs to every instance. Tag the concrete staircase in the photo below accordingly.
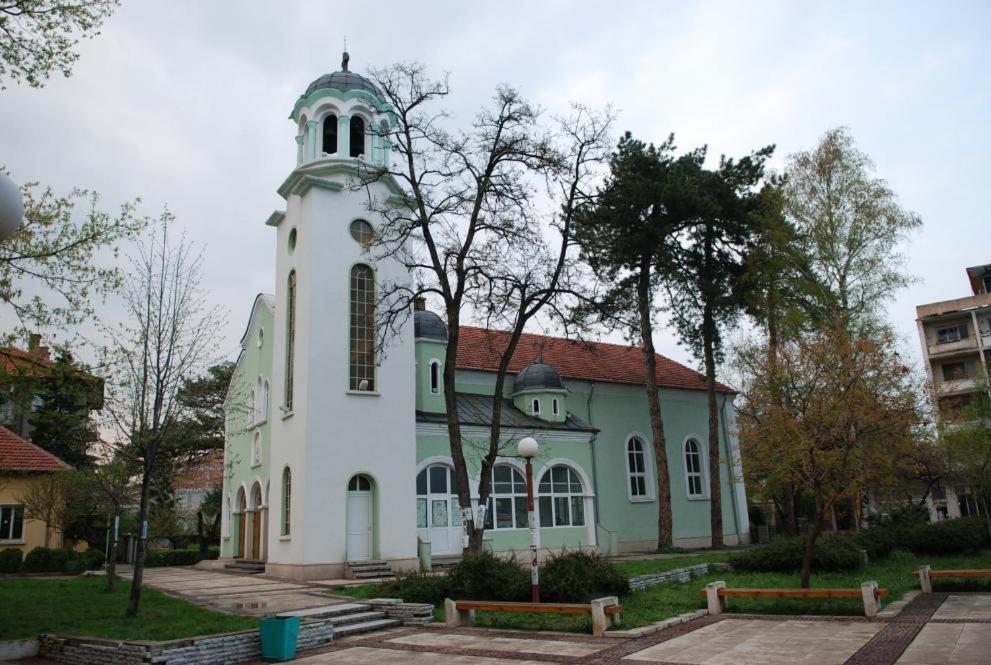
(442, 564)
(347, 618)
(368, 570)
(245, 567)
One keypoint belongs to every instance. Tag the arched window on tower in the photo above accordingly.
(362, 343)
(286, 501)
(434, 376)
(357, 136)
(330, 134)
(290, 335)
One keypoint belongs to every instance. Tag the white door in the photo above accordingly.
(438, 518)
(359, 541)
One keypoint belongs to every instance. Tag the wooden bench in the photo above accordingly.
(926, 575)
(605, 611)
(716, 594)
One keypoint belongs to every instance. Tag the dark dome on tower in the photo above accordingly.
(537, 376)
(343, 80)
(427, 325)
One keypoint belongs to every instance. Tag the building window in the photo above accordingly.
(265, 401)
(508, 497)
(987, 284)
(12, 522)
(256, 449)
(253, 416)
(292, 241)
(360, 483)
(955, 371)
(535, 407)
(330, 134)
(562, 499)
(636, 464)
(286, 500)
(258, 396)
(693, 469)
(290, 336)
(357, 136)
(436, 504)
(261, 337)
(362, 232)
(952, 334)
(555, 409)
(434, 376)
(362, 359)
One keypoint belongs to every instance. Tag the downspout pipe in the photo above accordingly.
(591, 445)
(732, 470)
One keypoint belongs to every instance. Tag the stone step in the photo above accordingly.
(357, 617)
(368, 562)
(371, 574)
(365, 627)
(328, 611)
(248, 567)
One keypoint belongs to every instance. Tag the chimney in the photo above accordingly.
(419, 304)
(35, 348)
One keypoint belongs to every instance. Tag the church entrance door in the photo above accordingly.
(437, 514)
(359, 518)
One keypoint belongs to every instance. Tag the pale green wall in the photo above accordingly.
(425, 399)
(252, 363)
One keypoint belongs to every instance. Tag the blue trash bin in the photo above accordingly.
(278, 637)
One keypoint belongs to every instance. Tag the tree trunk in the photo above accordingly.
(791, 523)
(664, 519)
(139, 556)
(200, 535)
(832, 518)
(715, 480)
(810, 541)
(112, 563)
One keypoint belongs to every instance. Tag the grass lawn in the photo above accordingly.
(663, 601)
(80, 606)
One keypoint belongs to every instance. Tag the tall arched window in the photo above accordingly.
(266, 408)
(562, 499)
(330, 134)
(257, 403)
(434, 376)
(508, 498)
(636, 465)
(290, 336)
(254, 408)
(694, 476)
(286, 500)
(256, 449)
(362, 359)
(357, 136)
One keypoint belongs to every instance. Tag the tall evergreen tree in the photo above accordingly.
(627, 237)
(64, 399)
(704, 282)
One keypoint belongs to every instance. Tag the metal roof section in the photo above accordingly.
(477, 410)
(428, 325)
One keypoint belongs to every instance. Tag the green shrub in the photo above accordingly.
(487, 577)
(580, 577)
(832, 552)
(417, 587)
(878, 542)
(956, 536)
(10, 560)
(162, 557)
(51, 560)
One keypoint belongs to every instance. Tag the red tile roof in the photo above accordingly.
(480, 349)
(21, 363)
(16, 454)
(205, 473)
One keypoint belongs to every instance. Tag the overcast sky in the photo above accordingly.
(185, 103)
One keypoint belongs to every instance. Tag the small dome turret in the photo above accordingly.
(427, 325)
(537, 376)
(343, 80)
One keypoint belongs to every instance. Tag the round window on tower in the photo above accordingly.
(362, 232)
(292, 241)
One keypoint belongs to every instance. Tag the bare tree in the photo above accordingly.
(49, 499)
(471, 225)
(169, 338)
(113, 485)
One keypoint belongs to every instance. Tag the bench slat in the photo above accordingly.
(956, 573)
(794, 593)
(559, 608)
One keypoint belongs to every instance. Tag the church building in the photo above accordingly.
(338, 458)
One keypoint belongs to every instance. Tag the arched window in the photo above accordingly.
(266, 408)
(286, 499)
(256, 449)
(694, 480)
(330, 134)
(555, 409)
(434, 376)
(535, 407)
(357, 136)
(254, 407)
(360, 483)
(562, 499)
(436, 505)
(362, 359)
(509, 499)
(636, 466)
(257, 402)
(290, 336)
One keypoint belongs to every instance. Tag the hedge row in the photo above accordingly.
(186, 557)
(567, 577)
(50, 560)
(834, 552)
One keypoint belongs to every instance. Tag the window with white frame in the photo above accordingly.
(290, 338)
(12, 522)
(555, 409)
(266, 404)
(508, 498)
(286, 500)
(434, 376)
(436, 500)
(535, 407)
(561, 499)
(694, 476)
(636, 466)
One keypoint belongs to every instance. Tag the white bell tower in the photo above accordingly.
(343, 453)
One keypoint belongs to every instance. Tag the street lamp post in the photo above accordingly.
(527, 449)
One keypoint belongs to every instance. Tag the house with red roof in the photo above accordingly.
(21, 464)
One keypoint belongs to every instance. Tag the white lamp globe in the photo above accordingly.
(11, 207)
(527, 447)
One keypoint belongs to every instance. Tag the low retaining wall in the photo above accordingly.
(14, 649)
(207, 650)
(676, 575)
(411, 614)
